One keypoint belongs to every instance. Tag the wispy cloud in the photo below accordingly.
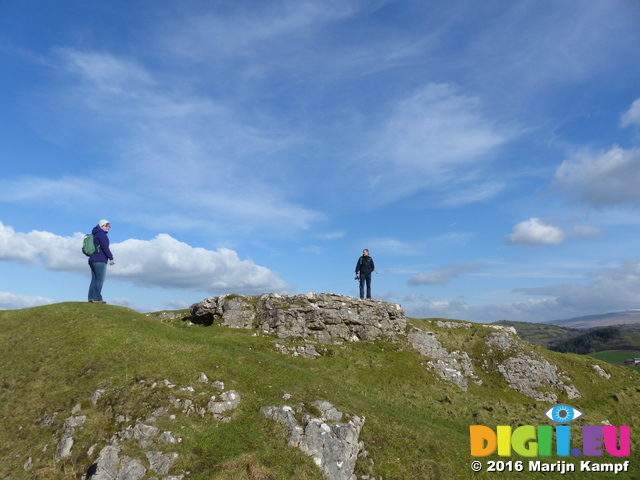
(67, 189)
(631, 116)
(393, 246)
(531, 43)
(441, 276)
(217, 162)
(605, 290)
(612, 289)
(436, 138)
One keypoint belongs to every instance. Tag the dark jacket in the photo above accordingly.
(101, 240)
(365, 265)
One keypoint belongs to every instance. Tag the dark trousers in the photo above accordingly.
(365, 277)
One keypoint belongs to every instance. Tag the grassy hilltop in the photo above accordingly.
(417, 426)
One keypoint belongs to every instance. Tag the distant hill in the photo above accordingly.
(541, 333)
(592, 337)
(604, 320)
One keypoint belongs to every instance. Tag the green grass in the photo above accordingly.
(618, 356)
(417, 426)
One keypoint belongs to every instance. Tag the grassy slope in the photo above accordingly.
(416, 426)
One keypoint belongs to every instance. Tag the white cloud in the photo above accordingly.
(632, 115)
(606, 179)
(538, 232)
(535, 232)
(160, 262)
(13, 301)
(441, 276)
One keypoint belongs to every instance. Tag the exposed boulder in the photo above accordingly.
(110, 466)
(65, 444)
(333, 446)
(454, 366)
(161, 462)
(306, 351)
(600, 371)
(527, 371)
(326, 317)
(228, 401)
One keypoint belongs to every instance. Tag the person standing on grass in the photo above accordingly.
(99, 259)
(364, 268)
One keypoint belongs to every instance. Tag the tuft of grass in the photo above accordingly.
(417, 425)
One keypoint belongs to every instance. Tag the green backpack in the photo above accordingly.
(88, 247)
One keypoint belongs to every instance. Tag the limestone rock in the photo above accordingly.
(600, 371)
(326, 317)
(455, 367)
(65, 444)
(333, 446)
(142, 433)
(228, 401)
(161, 462)
(527, 371)
(110, 466)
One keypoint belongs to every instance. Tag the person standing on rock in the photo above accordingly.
(364, 269)
(98, 260)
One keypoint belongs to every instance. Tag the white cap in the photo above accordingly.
(102, 223)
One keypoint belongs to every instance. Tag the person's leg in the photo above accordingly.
(362, 285)
(98, 274)
(92, 286)
(368, 285)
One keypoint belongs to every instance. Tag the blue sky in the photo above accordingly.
(487, 153)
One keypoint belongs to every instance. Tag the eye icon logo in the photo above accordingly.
(563, 413)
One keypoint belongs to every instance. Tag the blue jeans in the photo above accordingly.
(365, 277)
(98, 274)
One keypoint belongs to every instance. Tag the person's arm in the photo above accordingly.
(358, 266)
(104, 246)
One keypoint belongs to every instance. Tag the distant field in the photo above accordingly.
(617, 356)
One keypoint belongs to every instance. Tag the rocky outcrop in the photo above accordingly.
(66, 442)
(138, 447)
(527, 371)
(329, 319)
(599, 370)
(111, 465)
(455, 367)
(333, 446)
(326, 318)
